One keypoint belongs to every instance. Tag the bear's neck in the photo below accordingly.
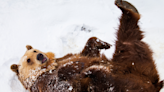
(33, 75)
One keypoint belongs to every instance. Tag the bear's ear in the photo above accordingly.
(29, 47)
(50, 55)
(14, 68)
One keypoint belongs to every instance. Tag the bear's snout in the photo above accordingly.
(41, 58)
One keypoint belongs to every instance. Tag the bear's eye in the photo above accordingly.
(35, 51)
(28, 60)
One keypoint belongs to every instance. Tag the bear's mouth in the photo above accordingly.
(41, 58)
(44, 60)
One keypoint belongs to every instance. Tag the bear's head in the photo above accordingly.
(32, 64)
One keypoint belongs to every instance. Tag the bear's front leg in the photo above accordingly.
(93, 47)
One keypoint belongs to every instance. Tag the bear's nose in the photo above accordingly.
(40, 56)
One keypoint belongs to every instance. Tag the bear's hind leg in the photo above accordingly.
(133, 56)
(128, 29)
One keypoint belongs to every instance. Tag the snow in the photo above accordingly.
(64, 26)
(132, 63)
(70, 88)
(111, 89)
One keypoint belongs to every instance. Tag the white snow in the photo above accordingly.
(70, 88)
(64, 26)
(132, 63)
(110, 89)
(96, 67)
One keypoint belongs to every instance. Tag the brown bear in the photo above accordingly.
(131, 69)
(36, 64)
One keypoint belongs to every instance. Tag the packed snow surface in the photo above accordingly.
(64, 26)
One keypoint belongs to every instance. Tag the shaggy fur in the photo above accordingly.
(131, 69)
